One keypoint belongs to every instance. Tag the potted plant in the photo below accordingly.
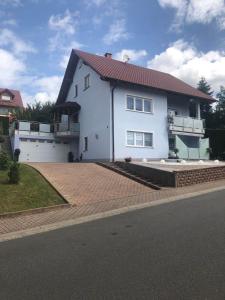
(176, 151)
(209, 150)
(128, 159)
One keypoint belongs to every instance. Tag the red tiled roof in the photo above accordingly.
(126, 72)
(16, 98)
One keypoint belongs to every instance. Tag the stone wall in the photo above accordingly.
(189, 177)
(177, 178)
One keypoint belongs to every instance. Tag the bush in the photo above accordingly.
(128, 159)
(2, 139)
(4, 161)
(16, 154)
(14, 173)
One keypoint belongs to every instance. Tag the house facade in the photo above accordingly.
(109, 110)
(10, 102)
(126, 110)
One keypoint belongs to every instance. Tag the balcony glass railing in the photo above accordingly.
(186, 124)
(67, 129)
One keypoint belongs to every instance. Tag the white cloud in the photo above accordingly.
(11, 2)
(48, 88)
(117, 32)
(65, 23)
(67, 50)
(134, 55)
(187, 63)
(8, 38)
(196, 11)
(97, 2)
(11, 69)
(9, 22)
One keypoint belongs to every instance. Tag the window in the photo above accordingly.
(148, 139)
(130, 138)
(86, 143)
(147, 106)
(139, 139)
(130, 102)
(75, 91)
(139, 104)
(87, 81)
(6, 97)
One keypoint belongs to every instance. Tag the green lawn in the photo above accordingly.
(33, 191)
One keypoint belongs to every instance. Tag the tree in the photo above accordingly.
(221, 97)
(37, 112)
(204, 87)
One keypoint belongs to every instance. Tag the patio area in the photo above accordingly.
(171, 166)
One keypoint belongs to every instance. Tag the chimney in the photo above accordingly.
(108, 55)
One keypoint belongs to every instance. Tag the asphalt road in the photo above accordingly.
(172, 251)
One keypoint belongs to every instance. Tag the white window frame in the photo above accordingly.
(86, 82)
(135, 144)
(6, 97)
(143, 99)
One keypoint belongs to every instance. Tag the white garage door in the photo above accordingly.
(43, 151)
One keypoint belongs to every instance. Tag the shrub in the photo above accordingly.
(128, 159)
(4, 161)
(14, 173)
(16, 154)
(2, 139)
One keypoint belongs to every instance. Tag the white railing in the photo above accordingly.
(186, 124)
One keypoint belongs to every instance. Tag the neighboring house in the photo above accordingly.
(109, 110)
(10, 102)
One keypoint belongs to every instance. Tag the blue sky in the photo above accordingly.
(182, 37)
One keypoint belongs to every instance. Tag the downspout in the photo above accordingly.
(113, 131)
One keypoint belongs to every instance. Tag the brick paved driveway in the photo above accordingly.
(85, 183)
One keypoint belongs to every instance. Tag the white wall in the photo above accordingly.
(140, 121)
(94, 116)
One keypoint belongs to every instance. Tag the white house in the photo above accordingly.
(109, 110)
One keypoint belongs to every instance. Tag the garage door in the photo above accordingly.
(43, 151)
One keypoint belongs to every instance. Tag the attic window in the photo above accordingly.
(6, 97)
(87, 82)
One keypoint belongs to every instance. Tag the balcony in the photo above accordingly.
(186, 125)
(68, 130)
(34, 129)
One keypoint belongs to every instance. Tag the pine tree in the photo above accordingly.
(205, 107)
(204, 87)
(221, 97)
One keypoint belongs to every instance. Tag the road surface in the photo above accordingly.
(171, 251)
